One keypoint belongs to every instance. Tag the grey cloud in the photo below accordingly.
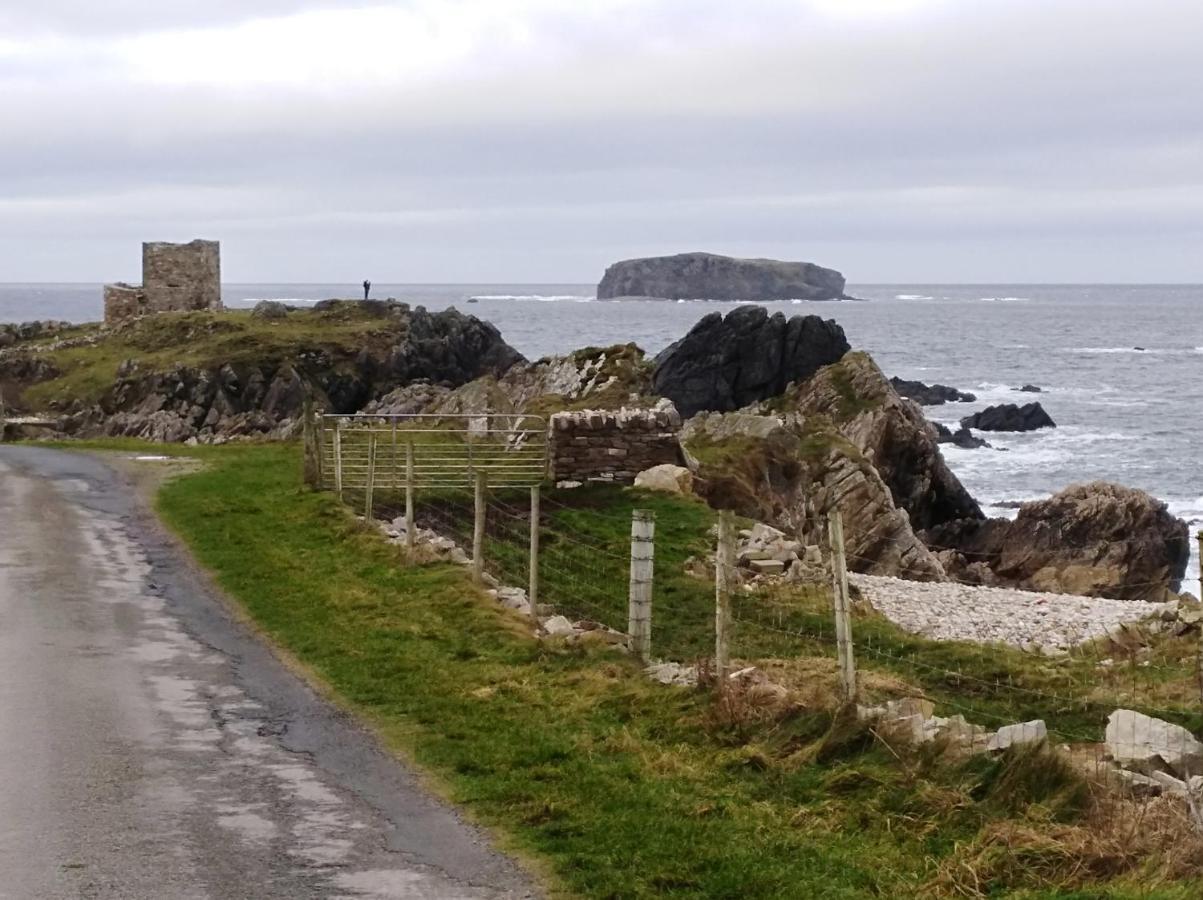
(906, 150)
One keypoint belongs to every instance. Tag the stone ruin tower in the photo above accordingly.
(175, 278)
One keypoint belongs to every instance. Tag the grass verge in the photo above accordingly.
(625, 788)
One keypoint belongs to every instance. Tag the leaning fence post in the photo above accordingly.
(409, 495)
(842, 606)
(478, 529)
(639, 614)
(532, 591)
(312, 462)
(338, 457)
(369, 486)
(724, 570)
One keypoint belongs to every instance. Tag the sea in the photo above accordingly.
(1120, 367)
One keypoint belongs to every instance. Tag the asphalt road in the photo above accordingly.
(151, 747)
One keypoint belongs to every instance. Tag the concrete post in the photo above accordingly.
(478, 529)
(410, 537)
(724, 574)
(369, 486)
(338, 457)
(532, 592)
(639, 613)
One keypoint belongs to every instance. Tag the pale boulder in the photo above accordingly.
(1145, 744)
(666, 478)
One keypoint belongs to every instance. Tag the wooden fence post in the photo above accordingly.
(639, 614)
(369, 486)
(532, 591)
(724, 573)
(842, 606)
(478, 529)
(310, 467)
(338, 457)
(410, 537)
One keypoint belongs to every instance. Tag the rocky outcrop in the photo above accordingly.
(930, 394)
(726, 363)
(593, 378)
(888, 431)
(1009, 417)
(265, 396)
(706, 276)
(789, 472)
(962, 437)
(12, 334)
(1095, 539)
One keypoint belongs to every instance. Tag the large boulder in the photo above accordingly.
(1097, 539)
(1144, 744)
(726, 363)
(707, 276)
(1009, 417)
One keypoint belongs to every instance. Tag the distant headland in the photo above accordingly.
(708, 276)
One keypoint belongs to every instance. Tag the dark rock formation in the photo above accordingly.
(930, 394)
(1095, 539)
(727, 363)
(1030, 389)
(962, 437)
(1009, 417)
(706, 276)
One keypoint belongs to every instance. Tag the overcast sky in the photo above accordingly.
(539, 140)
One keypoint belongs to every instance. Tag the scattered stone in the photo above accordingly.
(767, 566)
(672, 673)
(1022, 733)
(1025, 619)
(1144, 744)
(558, 626)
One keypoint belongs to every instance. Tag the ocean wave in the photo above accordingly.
(537, 298)
(1144, 351)
(1004, 299)
(913, 297)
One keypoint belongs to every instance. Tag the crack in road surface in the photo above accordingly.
(151, 747)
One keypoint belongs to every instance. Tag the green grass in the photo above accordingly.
(623, 788)
(210, 339)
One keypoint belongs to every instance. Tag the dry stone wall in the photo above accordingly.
(175, 278)
(613, 445)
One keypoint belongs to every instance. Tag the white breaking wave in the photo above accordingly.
(913, 297)
(538, 298)
(1005, 299)
(1145, 351)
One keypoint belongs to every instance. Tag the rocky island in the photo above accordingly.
(708, 276)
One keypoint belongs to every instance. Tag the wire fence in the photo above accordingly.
(593, 554)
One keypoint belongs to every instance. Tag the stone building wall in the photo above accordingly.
(610, 445)
(175, 278)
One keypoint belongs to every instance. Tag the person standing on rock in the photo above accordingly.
(367, 288)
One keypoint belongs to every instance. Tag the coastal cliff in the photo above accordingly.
(707, 276)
